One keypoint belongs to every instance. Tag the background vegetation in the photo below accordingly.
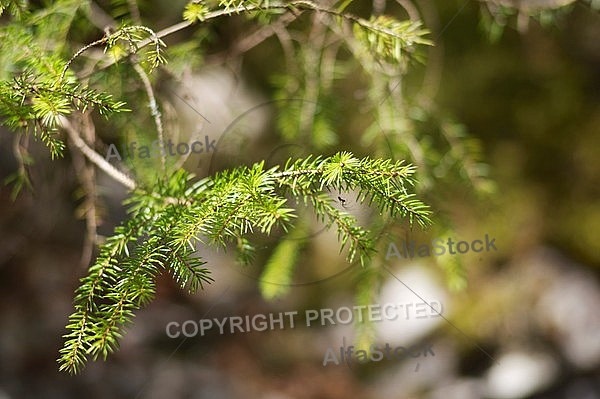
(515, 86)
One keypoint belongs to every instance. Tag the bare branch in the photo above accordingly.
(94, 157)
(153, 106)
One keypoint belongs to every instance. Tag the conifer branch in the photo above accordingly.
(400, 36)
(218, 211)
(173, 218)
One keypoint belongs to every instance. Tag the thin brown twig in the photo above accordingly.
(153, 106)
(328, 64)
(435, 59)
(378, 7)
(296, 5)
(98, 17)
(254, 39)
(78, 53)
(411, 10)
(288, 49)
(95, 158)
(312, 68)
(87, 178)
(154, 38)
(19, 153)
(134, 11)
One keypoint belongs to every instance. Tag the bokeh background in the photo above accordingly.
(527, 323)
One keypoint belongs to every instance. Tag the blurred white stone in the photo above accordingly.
(403, 331)
(216, 103)
(401, 377)
(568, 306)
(520, 375)
(470, 388)
(214, 98)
